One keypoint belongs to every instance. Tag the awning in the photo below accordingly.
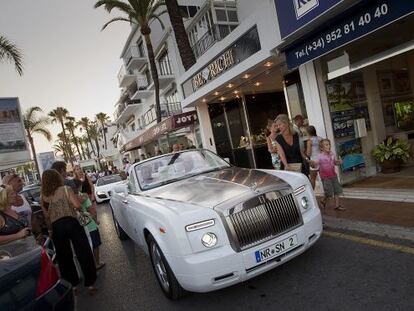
(169, 124)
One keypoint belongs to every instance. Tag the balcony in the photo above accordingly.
(134, 58)
(165, 75)
(125, 78)
(125, 110)
(170, 109)
(214, 21)
(142, 90)
(212, 35)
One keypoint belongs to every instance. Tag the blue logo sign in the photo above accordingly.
(294, 14)
(356, 24)
(303, 7)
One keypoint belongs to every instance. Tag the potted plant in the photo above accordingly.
(391, 153)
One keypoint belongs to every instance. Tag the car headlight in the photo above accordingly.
(209, 239)
(304, 202)
(101, 193)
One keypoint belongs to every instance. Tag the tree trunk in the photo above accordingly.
(104, 134)
(90, 141)
(75, 140)
(154, 75)
(66, 143)
(29, 136)
(81, 146)
(186, 52)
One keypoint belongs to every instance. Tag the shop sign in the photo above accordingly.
(244, 47)
(13, 145)
(294, 14)
(360, 21)
(215, 68)
(185, 119)
(170, 124)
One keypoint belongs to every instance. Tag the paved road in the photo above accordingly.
(336, 274)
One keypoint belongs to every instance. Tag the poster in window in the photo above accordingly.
(351, 154)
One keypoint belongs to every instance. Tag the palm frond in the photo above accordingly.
(109, 5)
(45, 132)
(12, 53)
(117, 19)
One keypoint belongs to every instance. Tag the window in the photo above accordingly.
(141, 49)
(133, 127)
(188, 11)
(164, 64)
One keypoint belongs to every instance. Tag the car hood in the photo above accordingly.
(108, 186)
(214, 188)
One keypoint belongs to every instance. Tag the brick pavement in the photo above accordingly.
(381, 212)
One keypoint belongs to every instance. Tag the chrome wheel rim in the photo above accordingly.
(159, 267)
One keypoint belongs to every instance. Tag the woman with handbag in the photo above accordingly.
(288, 147)
(60, 204)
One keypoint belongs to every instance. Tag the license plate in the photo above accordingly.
(276, 249)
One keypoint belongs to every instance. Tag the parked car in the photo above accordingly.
(104, 186)
(31, 193)
(207, 224)
(30, 281)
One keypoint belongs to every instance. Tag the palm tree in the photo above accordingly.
(85, 123)
(71, 126)
(186, 52)
(95, 135)
(59, 147)
(59, 115)
(102, 118)
(141, 13)
(35, 124)
(10, 52)
(84, 140)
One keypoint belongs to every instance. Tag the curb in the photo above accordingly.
(404, 196)
(389, 231)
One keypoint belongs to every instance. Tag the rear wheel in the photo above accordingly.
(119, 231)
(168, 283)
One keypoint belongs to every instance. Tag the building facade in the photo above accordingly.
(355, 60)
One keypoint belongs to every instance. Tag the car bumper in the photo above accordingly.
(58, 298)
(222, 267)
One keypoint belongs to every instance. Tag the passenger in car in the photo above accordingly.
(11, 227)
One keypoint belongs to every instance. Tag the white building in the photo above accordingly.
(138, 135)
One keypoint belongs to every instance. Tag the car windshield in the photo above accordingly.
(177, 166)
(108, 180)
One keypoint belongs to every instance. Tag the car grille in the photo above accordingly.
(265, 221)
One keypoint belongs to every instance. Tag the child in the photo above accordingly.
(326, 160)
(92, 227)
(312, 151)
(272, 144)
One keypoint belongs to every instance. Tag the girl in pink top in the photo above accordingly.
(327, 161)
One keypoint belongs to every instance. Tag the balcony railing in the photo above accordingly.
(170, 109)
(213, 34)
(164, 68)
(132, 53)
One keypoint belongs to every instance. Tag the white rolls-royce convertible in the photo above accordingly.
(207, 224)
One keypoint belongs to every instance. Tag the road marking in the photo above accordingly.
(395, 247)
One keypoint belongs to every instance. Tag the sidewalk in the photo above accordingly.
(384, 218)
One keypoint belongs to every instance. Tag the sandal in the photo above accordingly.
(92, 290)
(100, 265)
(340, 208)
(323, 203)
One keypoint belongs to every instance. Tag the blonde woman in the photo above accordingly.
(11, 227)
(288, 147)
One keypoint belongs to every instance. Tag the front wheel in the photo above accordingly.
(165, 276)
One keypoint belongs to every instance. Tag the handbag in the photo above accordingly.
(83, 218)
(295, 167)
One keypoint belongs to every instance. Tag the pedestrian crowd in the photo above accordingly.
(296, 147)
(70, 219)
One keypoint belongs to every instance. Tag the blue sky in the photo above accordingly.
(68, 61)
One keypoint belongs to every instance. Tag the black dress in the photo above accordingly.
(292, 152)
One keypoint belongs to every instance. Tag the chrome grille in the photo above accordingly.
(265, 221)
